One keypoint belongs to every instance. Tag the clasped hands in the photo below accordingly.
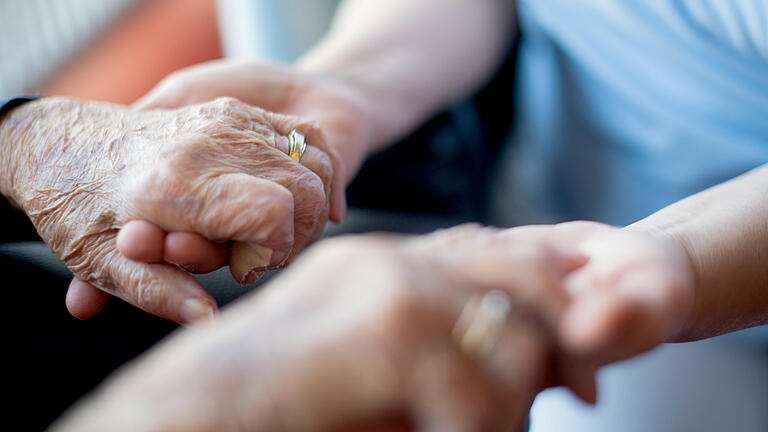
(359, 334)
(197, 172)
(128, 196)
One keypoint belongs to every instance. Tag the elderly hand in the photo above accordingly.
(360, 332)
(335, 106)
(634, 292)
(219, 170)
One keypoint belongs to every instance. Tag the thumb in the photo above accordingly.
(84, 300)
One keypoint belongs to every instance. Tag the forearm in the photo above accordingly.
(168, 388)
(724, 230)
(410, 58)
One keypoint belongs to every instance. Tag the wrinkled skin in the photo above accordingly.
(337, 106)
(334, 105)
(82, 170)
(357, 335)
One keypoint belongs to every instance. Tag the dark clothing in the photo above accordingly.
(9, 104)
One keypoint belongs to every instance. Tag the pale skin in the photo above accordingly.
(693, 270)
(386, 66)
(354, 84)
(359, 336)
(82, 170)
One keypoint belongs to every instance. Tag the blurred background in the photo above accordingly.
(117, 50)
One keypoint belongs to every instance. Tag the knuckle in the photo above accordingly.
(324, 168)
(399, 312)
(147, 292)
(281, 122)
(275, 222)
(223, 116)
(280, 205)
(134, 282)
(225, 103)
(143, 294)
(161, 183)
(213, 125)
(312, 195)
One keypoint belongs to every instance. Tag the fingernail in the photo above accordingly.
(252, 277)
(252, 255)
(194, 311)
(248, 259)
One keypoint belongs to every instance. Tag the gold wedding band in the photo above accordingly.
(297, 145)
(481, 323)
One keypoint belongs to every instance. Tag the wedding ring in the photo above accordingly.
(296, 145)
(481, 323)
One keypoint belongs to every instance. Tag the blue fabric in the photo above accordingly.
(626, 106)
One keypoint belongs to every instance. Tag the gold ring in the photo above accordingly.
(481, 323)
(296, 145)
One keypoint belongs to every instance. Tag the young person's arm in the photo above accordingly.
(695, 269)
(724, 231)
(410, 58)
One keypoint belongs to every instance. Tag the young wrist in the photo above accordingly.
(669, 229)
(386, 115)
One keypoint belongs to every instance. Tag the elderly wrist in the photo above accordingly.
(670, 229)
(14, 128)
(20, 130)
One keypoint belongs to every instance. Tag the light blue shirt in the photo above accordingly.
(626, 106)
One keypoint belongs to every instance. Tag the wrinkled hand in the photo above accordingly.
(634, 293)
(334, 105)
(357, 334)
(217, 172)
